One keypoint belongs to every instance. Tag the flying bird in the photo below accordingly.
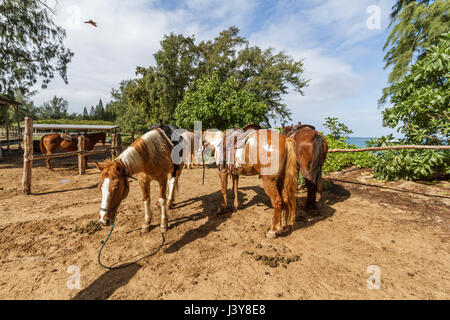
(91, 22)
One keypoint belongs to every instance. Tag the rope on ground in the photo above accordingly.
(383, 187)
(127, 264)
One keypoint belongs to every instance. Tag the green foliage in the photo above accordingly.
(421, 100)
(409, 164)
(220, 105)
(337, 129)
(31, 46)
(56, 108)
(180, 64)
(337, 161)
(416, 25)
(130, 117)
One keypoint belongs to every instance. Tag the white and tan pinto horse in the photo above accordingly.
(148, 157)
(259, 152)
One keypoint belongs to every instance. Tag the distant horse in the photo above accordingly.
(267, 154)
(311, 148)
(148, 157)
(51, 142)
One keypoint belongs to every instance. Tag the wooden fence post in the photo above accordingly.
(81, 158)
(27, 155)
(118, 145)
(113, 145)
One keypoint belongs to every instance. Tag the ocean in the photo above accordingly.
(359, 142)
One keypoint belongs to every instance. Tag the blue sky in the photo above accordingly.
(343, 57)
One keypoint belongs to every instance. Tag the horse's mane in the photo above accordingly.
(147, 151)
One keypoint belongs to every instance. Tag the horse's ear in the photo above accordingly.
(100, 166)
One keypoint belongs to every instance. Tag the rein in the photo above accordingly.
(127, 264)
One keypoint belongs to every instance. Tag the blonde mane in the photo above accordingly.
(146, 152)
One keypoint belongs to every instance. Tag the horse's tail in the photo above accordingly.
(290, 181)
(318, 159)
(42, 145)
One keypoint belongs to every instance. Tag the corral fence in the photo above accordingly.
(115, 149)
(28, 155)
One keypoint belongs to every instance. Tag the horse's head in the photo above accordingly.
(114, 187)
(67, 142)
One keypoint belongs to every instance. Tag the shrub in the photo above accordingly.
(340, 160)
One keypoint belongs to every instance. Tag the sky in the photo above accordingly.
(340, 42)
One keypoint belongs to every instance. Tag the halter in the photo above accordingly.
(123, 194)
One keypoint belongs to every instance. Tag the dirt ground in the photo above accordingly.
(402, 228)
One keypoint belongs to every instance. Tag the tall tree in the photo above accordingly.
(421, 100)
(220, 105)
(31, 46)
(130, 117)
(415, 25)
(180, 64)
(85, 114)
(56, 108)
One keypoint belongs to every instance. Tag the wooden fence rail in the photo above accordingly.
(81, 154)
(391, 148)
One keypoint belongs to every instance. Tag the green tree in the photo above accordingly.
(31, 46)
(85, 114)
(219, 104)
(415, 26)
(56, 108)
(130, 117)
(337, 129)
(421, 100)
(180, 64)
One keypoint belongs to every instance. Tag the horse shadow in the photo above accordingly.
(105, 285)
(210, 202)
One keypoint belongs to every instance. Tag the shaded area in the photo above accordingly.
(104, 286)
(210, 204)
(66, 190)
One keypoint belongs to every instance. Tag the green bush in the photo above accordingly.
(337, 161)
(409, 164)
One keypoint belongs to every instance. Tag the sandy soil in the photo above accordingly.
(403, 228)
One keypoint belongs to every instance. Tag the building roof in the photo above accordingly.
(81, 127)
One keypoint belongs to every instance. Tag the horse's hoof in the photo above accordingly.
(145, 228)
(271, 234)
(164, 228)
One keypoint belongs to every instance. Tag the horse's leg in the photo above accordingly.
(235, 178)
(270, 187)
(173, 183)
(162, 203)
(223, 184)
(304, 165)
(145, 187)
(47, 161)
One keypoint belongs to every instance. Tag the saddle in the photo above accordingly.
(297, 127)
(231, 143)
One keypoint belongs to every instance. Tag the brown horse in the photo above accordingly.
(267, 154)
(148, 157)
(51, 142)
(311, 148)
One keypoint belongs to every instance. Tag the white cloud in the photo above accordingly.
(331, 36)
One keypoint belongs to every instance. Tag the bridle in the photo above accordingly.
(125, 192)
